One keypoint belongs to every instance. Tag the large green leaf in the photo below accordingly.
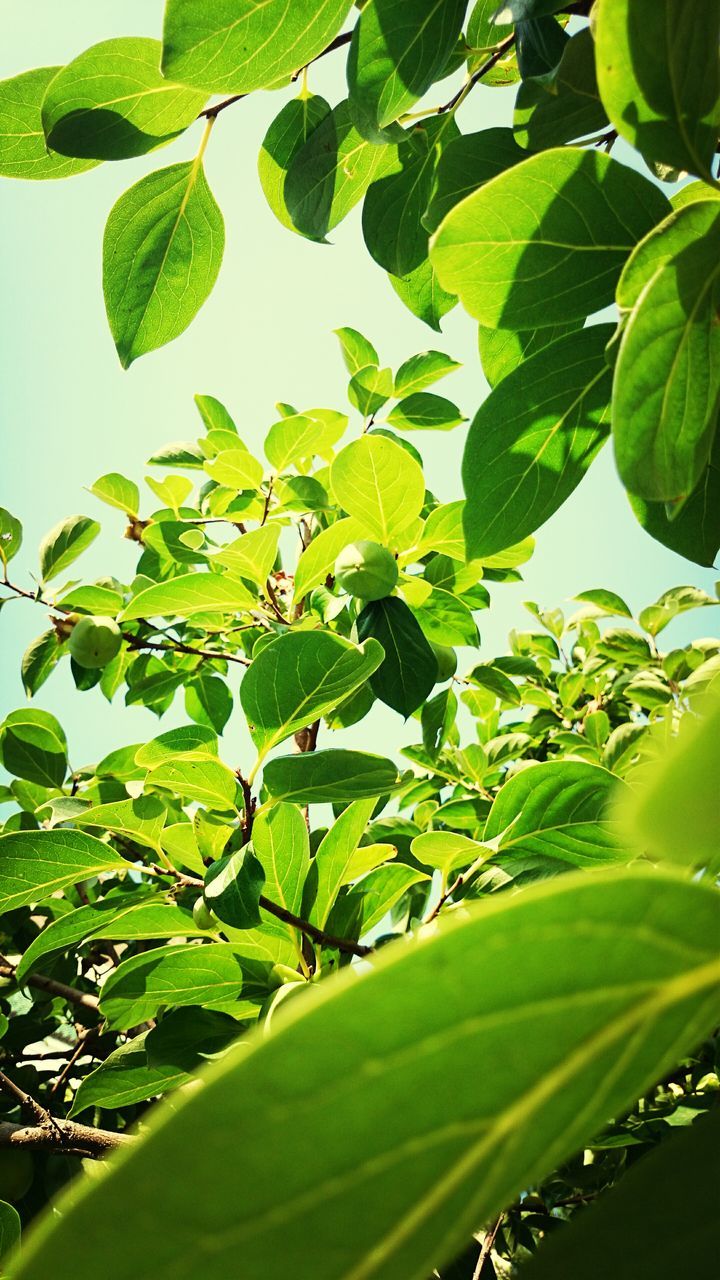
(398, 49)
(35, 864)
(209, 781)
(162, 251)
(378, 483)
(694, 531)
(332, 172)
(111, 102)
(297, 678)
(545, 242)
(252, 555)
(64, 543)
(409, 668)
(183, 974)
(287, 134)
(630, 1234)
(502, 350)
(328, 777)
(236, 46)
(394, 205)
(23, 150)
(534, 438)
(667, 378)
(605, 981)
(659, 77)
(557, 811)
(189, 594)
(466, 163)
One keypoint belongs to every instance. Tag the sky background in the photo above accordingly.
(70, 413)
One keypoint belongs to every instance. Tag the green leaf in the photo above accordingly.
(520, 10)
(117, 491)
(445, 620)
(533, 439)
(559, 811)
(394, 205)
(378, 483)
(563, 105)
(214, 414)
(694, 531)
(369, 389)
(23, 150)
(605, 981)
(421, 293)
(398, 49)
(140, 820)
(233, 886)
(235, 468)
(445, 850)
(111, 102)
(329, 777)
(162, 251)
(606, 601)
(629, 1233)
(667, 377)
(295, 440)
(10, 1228)
(208, 701)
(281, 843)
(35, 864)
(64, 543)
(331, 864)
(10, 536)
(318, 559)
(331, 173)
(422, 370)
(297, 678)
(424, 411)
(34, 747)
(545, 242)
(126, 1077)
(379, 891)
(409, 669)
(467, 163)
(287, 134)
(191, 741)
(189, 594)
(210, 975)
(483, 36)
(240, 45)
(357, 351)
(502, 350)
(208, 781)
(659, 78)
(38, 660)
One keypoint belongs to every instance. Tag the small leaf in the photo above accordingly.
(162, 251)
(252, 555)
(330, 866)
(10, 1228)
(233, 886)
(38, 660)
(117, 491)
(422, 370)
(287, 134)
(10, 536)
(213, 976)
(63, 544)
(422, 294)
(565, 104)
(34, 747)
(208, 781)
(424, 411)
(357, 351)
(329, 777)
(318, 559)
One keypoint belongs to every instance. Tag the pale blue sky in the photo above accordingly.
(71, 414)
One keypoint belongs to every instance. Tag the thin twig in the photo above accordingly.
(487, 1246)
(317, 935)
(54, 988)
(483, 70)
(178, 646)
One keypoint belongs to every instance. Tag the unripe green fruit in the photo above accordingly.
(367, 570)
(16, 1173)
(446, 660)
(202, 915)
(95, 641)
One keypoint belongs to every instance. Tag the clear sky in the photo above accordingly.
(70, 414)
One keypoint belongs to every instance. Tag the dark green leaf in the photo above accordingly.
(422, 294)
(694, 531)
(394, 205)
(563, 105)
(232, 889)
(467, 163)
(409, 669)
(287, 134)
(35, 864)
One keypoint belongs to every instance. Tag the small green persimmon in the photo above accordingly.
(202, 915)
(94, 642)
(16, 1173)
(367, 570)
(446, 661)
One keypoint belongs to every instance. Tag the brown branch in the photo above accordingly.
(178, 646)
(26, 1101)
(274, 603)
(212, 113)
(487, 1246)
(317, 935)
(64, 1138)
(54, 988)
(488, 65)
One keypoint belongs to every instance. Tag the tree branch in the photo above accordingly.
(64, 1138)
(42, 983)
(317, 935)
(483, 70)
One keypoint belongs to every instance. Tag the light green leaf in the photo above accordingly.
(111, 102)
(236, 469)
(35, 864)
(63, 544)
(330, 866)
(421, 293)
(252, 555)
(287, 134)
(332, 172)
(117, 491)
(398, 49)
(533, 439)
(445, 850)
(357, 351)
(208, 781)
(422, 370)
(659, 78)
(297, 678)
(467, 163)
(558, 811)
(140, 820)
(241, 45)
(281, 843)
(162, 251)
(605, 981)
(184, 974)
(502, 350)
(327, 777)
(298, 438)
(189, 594)
(424, 411)
(443, 531)
(379, 484)
(606, 601)
(214, 414)
(192, 741)
(545, 242)
(38, 660)
(23, 150)
(667, 378)
(318, 559)
(10, 536)
(126, 1077)
(370, 388)
(379, 891)
(33, 746)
